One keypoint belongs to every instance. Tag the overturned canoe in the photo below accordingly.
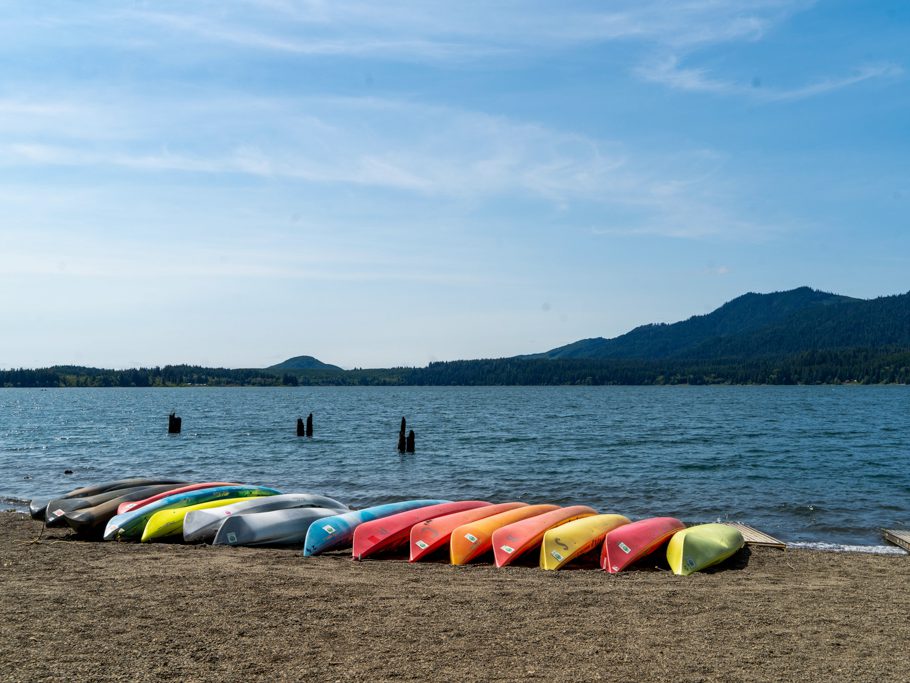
(699, 547)
(390, 532)
(563, 543)
(629, 543)
(512, 541)
(470, 541)
(130, 525)
(167, 523)
(38, 506)
(56, 509)
(338, 531)
(278, 527)
(90, 521)
(201, 525)
(435, 533)
(132, 505)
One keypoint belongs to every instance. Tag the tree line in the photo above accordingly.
(855, 365)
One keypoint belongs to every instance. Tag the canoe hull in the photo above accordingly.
(471, 541)
(38, 506)
(628, 544)
(512, 541)
(278, 527)
(702, 546)
(338, 531)
(57, 509)
(132, 505)
(565, 542)
(201, 525)
(434, 534)
(386, 534)
(130, 525)
(168, 523)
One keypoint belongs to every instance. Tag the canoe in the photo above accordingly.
(38, 506)
(698, 547)
(564, 543)
(513, 540)
(202, 525)
(391, 532)
(338, 531)
(126, 507)
(130, 525)
(278, 527)
(165, 523)
(473, 540)
(53, 516)
(435, 533)
(90, 521)
(631, 542)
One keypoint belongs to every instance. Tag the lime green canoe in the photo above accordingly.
(701, 546)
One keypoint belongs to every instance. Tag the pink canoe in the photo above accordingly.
(390, 532)
(435, 533)
(513, 540)
(631, 542)
(126, 507)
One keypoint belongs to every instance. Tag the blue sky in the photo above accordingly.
(378, 184)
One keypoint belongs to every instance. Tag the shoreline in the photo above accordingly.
(109, 611)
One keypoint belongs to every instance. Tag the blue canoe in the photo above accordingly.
(131, 524)
(338, 531)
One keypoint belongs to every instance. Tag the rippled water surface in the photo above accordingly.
(812, 464)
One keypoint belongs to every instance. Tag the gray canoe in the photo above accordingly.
(38, 506)
(278, 527)
(200, 526)
(56, 509)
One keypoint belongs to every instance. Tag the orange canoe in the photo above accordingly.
(511, 541)
(126, 507)
(473, 540)
(433, 534)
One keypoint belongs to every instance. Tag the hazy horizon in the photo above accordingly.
(234, 185)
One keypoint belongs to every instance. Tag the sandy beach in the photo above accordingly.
(84, 611)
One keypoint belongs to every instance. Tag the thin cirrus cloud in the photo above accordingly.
(669, 72)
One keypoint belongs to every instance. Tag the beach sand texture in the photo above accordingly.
(81, 611)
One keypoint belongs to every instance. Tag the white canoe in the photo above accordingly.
(201, 525)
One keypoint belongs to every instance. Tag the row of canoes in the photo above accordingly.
(227, 513)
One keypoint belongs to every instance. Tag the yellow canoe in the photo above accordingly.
(170, 522)
(565, 542)
(702, 546)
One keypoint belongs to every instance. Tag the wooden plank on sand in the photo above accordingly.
(899, 537)
(756, 537)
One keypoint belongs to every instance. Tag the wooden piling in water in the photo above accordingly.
(174, 424)
(301, 430)
(309, 425)
(409, 447)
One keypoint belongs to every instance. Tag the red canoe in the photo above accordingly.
(388, 532)
(126, 507)
(433, 534)
(511, 541)
(631, 542)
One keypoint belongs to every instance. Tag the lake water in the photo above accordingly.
(812, 465)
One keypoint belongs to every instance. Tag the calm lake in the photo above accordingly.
(814, 465)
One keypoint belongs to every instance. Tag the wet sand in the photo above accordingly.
(81, 611)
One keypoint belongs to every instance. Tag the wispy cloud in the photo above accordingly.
(669, 72)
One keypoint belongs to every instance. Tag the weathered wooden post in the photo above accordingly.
(401, 438)
(410, 444)
(309, 425)
(301, 430)
(174, 423)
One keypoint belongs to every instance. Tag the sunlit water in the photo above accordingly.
(808, 464)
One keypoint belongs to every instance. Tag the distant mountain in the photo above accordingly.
(758, 325)
(303, 363)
